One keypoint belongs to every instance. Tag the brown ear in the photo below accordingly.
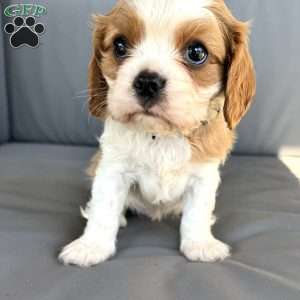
(97, 84)
(97, 88)
(241, 84)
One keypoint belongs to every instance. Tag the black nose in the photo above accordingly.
(148, 87)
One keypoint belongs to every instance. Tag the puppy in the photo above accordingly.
(171, 79)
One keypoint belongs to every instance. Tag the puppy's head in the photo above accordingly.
(160, 63)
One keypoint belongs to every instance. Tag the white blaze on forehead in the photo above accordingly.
(167, 12)
(161, 18)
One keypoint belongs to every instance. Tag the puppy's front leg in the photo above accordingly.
(98, 242)
(197, 240)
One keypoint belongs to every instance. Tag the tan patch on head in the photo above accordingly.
(122, 21)
(207, 32)
(240, 74)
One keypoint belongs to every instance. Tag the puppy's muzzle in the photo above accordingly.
(149, 87)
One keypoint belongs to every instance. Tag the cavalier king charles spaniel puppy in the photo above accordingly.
(171, 79)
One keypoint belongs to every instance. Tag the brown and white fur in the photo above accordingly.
(164, 160)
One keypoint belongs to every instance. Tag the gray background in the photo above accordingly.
(44, 84)
(4, 130)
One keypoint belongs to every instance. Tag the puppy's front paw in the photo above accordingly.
(84, 253)
(206, 251)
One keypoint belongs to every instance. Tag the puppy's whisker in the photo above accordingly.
(81, 97)
(89, 90)
(88, 96)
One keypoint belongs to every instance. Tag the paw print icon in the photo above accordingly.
(24, 32)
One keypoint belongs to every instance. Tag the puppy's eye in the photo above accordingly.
(196, 54)
(120, 47)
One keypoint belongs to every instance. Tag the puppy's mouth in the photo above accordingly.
(149, 113)
(153, 120)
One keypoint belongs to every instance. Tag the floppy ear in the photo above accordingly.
(240, 83)
(97, 84)
(97, 88)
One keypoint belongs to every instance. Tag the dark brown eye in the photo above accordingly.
(196, 54)
(120, 47)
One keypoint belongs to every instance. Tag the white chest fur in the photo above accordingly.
(159, 165)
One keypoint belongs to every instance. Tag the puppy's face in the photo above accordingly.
(159, 64)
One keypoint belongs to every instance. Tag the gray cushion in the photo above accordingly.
(41, 188)
(4, 126)
(45, 95)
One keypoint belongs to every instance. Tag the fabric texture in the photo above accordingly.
(46, 85)
(42, 187)
(4, 124)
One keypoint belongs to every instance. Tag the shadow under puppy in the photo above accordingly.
(171, 79)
